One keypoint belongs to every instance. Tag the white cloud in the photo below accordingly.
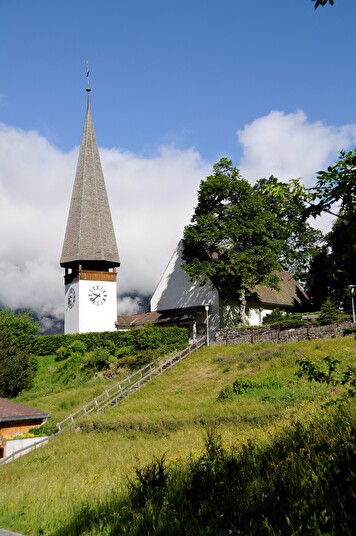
(151, 200)
(289, 146)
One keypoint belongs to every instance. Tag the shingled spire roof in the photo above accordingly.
(90, 233)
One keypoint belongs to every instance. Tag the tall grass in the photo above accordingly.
(78, 475)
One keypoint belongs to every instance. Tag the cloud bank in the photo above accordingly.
(151, 200)
(289, 146)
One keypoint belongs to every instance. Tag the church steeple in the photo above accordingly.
(90, 255)
(90, 233)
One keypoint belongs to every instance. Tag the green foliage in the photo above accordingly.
(47, 428)
(98, 359)
(314, 372)
(21, 326)
(16, 370)
(226, 393)
(276, 316)
(329, 313)
(148, 338)
(149, 484)
(302, 479)
(279, 319)
(239, 386)
(243, 384)
(49, 344)
(334, 267)
(300, 240)
(164, 418)
(336, 185)
(79, 360)
(231, 240)
(327, 372)
(70, 369)
(62, 353)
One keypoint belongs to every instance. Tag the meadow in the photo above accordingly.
(79, 473)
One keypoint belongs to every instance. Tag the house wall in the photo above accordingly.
(17, 427)
(176, 290)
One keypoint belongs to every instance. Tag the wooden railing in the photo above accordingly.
(115, 394)
(24, 450)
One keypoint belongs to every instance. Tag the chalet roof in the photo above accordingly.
(12, 411)
(90, 233)
(289, 294)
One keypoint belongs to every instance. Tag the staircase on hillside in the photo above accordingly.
(115, 394)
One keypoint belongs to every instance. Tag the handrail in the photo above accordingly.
(94, 404)
(14, 454)
(125, 387)
(128, 385)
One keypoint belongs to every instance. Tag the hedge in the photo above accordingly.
(48, 344)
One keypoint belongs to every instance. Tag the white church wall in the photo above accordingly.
(175, 290)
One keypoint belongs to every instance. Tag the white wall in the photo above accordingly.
(14, 445)
(175, 290)
(85, 316)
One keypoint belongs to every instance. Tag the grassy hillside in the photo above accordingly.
(44, 491)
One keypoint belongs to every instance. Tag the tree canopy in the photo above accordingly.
(232, 239)
(21, 327)
(15, 370)
(300, 240)
(334, 266)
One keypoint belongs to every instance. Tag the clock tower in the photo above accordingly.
(90, 255)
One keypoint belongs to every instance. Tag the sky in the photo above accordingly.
(176, 85)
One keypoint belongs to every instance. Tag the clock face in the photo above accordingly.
(97, 295)
(71, 298)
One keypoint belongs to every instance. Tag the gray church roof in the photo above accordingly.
(90, 233)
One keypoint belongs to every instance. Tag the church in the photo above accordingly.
(90, 258)
(90, 255)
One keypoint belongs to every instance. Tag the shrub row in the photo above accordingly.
(148, 337)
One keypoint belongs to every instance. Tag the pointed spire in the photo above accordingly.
(90, 233)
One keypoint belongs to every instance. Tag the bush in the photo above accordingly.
(226, 393)
(243, 384)
(16, 369)
(21, 327)
(329, 313)
(282, 319)
(49, 344)
(98, 359)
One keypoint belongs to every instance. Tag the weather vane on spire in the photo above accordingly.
(88, 88)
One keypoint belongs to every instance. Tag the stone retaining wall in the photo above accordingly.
(265, 334)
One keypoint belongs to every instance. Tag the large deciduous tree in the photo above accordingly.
(300, 240)
(334, 267)
(232, 240)
(21, 326)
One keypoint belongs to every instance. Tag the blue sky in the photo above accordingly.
(190, 72)
(175, 86)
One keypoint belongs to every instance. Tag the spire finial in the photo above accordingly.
(88, 88)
